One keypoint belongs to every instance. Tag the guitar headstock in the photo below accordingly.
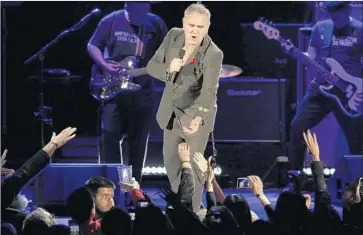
(267, 29)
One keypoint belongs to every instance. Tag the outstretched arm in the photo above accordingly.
(13, 184)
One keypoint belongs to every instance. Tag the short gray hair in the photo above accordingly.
(198, 8)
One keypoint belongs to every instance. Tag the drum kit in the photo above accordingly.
(229, 71)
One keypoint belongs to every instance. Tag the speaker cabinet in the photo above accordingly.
(250, 110)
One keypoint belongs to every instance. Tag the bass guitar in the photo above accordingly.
(343, 88)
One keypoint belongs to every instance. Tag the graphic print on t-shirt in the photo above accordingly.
(344, 41)
(122, 36)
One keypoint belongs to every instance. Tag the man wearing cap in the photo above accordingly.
(339, 38)
(132, 31)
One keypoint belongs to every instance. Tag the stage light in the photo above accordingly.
(326, 171)
(307, 170)
(146, 170)
(160, 170)
(154, 170)
(218, 170)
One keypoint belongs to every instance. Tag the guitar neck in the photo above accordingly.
(138, 72)
(299, 55)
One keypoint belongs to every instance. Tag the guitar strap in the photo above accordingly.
(330, 38)
(140, 42)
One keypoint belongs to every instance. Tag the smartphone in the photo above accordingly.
(243, 183)
(142, 203)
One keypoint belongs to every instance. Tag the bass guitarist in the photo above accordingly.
(339, 38)
(133, 31)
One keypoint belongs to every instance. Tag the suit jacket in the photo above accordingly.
(194, 92)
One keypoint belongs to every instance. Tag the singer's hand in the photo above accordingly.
(193, 127)
(175, 65)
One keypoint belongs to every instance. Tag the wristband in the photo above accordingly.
(56, 145)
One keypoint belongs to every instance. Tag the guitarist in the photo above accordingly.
(341, 39)
(131, 113)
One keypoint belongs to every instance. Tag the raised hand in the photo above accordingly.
(210, 172)
(5, 171)
(312, 145)
(184, 152)
(3, 161)
(130, 186)
(63, 137)
(308, 200)
(357, 198)
(175, 65)
(201, 163)
(256, 183)
(193, 126)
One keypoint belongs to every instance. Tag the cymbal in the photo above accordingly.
(229, 71)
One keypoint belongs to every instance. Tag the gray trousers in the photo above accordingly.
(197, 143)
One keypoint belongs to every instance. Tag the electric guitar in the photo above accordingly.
(105, 86)
(343, 88)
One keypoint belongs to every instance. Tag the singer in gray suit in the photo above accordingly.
(189, 63)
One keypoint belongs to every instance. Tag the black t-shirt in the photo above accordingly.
(344, 45)
(119, 37)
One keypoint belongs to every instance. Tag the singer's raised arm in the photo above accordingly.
(157, 66)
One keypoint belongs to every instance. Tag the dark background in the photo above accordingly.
(31, 25)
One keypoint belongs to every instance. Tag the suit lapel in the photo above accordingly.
(177, 44)
(198, 58)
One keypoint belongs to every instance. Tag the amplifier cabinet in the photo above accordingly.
(251, 109)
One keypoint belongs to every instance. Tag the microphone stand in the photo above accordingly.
(44, 112)
(214, 156)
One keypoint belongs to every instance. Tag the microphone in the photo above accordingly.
(173, 74)
(85, 19)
